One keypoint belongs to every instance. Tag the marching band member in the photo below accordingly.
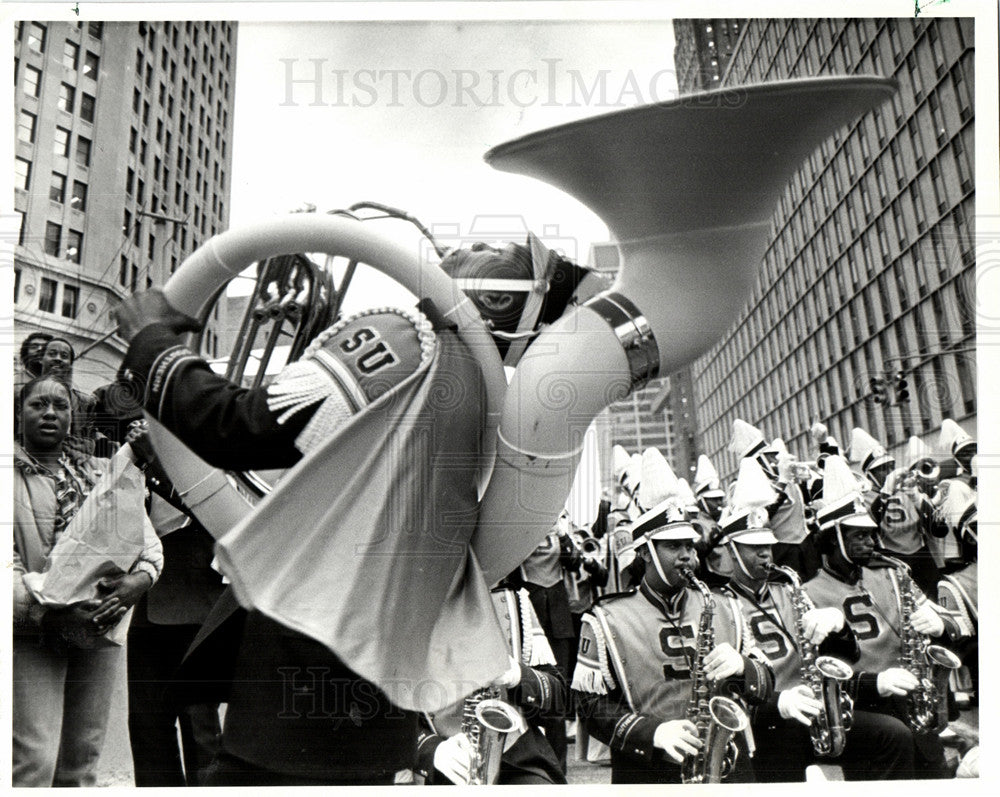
(795, 546)
(902, 511)
(639, 699)
(534, 689)
(793, 633)
(297, 712)
(884, 607)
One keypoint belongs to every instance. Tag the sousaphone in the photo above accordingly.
(687, 188)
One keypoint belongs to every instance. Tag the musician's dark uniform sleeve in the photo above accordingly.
(226, 425)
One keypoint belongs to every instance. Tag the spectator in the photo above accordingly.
(62, 683)
(31, 357)
(57, 359)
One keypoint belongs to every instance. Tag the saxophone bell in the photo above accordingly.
(487, 722)
(830, 736)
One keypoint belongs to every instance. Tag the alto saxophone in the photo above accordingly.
(486, 722)
(931, 665)
(717, 718)
(824, 675)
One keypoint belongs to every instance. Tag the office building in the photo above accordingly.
(870, 273)
(122, 169)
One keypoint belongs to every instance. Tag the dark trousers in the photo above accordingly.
(154, 653)
(228, 770)
(879, 747)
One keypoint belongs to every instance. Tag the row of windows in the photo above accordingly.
(73, 251)
(66, 101)
(49, 293)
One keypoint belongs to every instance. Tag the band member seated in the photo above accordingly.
(647, 701)
(454, 747)
(887, 611)
(810, 718)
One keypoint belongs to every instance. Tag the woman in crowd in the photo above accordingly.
(62, 677)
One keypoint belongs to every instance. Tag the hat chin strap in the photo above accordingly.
(656, 562)
(840, 544)
(739, 560)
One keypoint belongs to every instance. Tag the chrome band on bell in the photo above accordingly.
(633, 332)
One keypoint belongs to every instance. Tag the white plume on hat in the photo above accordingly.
(959, 498)
(620, 460)
(753, 489)
(706, 477)
(916, 450)
(863, 444)
(778, 446)
(658, 480)
(745, 438)
(633, 473)
(687, 496)
(953, 437)
(838, 481)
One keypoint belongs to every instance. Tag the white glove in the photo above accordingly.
(786, 468)
(927, 621)
(512, 677)
(895, 681)
(722, 662)
(799, 704)
(453, 758)
(677, 738)
(818, 624)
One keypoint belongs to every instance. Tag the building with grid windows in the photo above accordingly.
(122, 168)
(870, 273)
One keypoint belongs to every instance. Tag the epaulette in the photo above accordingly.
(613, 595)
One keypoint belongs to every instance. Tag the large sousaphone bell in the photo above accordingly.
(688, 189)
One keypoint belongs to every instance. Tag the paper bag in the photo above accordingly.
(104, 538)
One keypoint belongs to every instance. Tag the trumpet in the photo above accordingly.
(927, 471)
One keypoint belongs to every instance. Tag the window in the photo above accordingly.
(133, 137)
(36, 37)
(47, 295)
(91, 65)
(57, 188)
(22, 173)
(71, 55)
(74, 245)
(26, 127)
(82, 151)
(67, 98)
(123, 271)
(151, 248)
(962, 92)
(53, 238)
(87, 108)
(917, 141)
(79, 198)
(938, 182)
(914, 71)
(937, 119)
(962, 163)
(145, 113)
(918, 208)
(71, 301)
(96, 29)
(32, 80)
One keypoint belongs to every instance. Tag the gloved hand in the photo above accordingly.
(677, 738)
(722, 662)
(453, 759)
(798, 704)
(895, 681)
(927, 621)
(786, 468)
(512, 676)
(818, 624)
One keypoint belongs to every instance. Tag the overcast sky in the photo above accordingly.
(402, 112)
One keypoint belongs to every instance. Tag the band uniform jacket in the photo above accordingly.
(541, 693)
(627, 686)
(872, 607)
(771, 616)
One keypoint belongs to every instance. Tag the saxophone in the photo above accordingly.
(486, 721)
(931, 665)
(824, 675)
(717, 718)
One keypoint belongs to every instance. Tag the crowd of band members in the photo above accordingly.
(866, 560)
(580, 612)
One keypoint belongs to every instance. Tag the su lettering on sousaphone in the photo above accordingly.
(687, 189)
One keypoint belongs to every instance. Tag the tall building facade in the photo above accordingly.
(122, 169)
(870, 272)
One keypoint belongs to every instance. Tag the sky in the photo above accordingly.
(401, 113)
